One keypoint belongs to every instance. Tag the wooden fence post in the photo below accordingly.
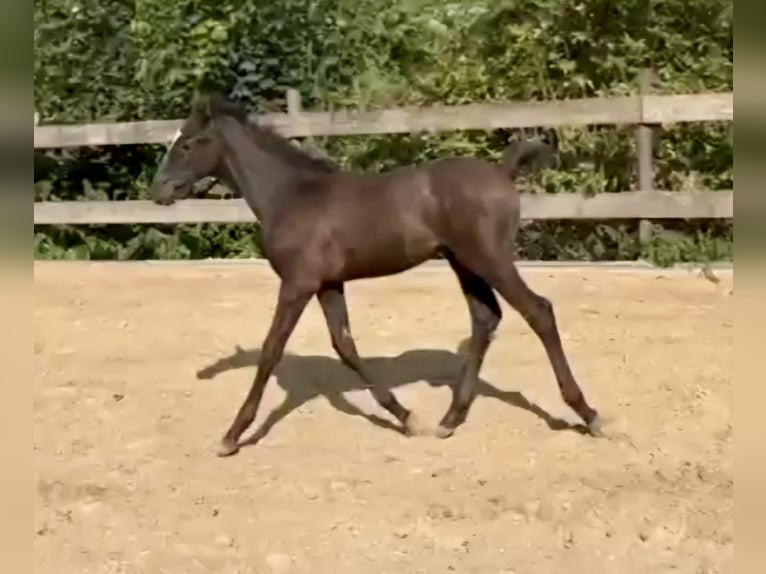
(293, 102)
(644, 145)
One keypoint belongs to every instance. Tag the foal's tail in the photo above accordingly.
(519, 154)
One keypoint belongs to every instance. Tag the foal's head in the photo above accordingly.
(197, 149)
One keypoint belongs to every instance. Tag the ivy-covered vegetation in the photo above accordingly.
(98, 60)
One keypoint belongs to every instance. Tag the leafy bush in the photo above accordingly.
(117, 60)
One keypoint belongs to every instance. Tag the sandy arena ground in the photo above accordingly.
(136, 379)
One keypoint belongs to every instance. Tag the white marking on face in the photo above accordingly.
(175, 138)
(165, 157)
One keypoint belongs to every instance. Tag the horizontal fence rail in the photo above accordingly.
(644, 110)
(590, 111)
(625, 205)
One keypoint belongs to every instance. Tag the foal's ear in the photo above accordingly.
(201, 107)
(207, 105)
(216, 104)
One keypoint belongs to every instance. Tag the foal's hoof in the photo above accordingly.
(227, 448)
(611, 429)
(415, 426)
(596, 427)
(444, 432)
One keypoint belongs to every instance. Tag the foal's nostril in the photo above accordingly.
(163, 193)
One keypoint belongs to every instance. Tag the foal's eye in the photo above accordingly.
(187, 145)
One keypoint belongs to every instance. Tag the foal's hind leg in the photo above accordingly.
(333, 303)
(485, 317)
(538, 313)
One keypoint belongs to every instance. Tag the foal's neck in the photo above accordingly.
(257, 174)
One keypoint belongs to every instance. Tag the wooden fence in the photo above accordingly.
(645, 111)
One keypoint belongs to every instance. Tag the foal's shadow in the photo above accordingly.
(304, 378)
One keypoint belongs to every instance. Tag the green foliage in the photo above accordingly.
(143, 59)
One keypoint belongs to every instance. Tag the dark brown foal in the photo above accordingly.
(323, 227)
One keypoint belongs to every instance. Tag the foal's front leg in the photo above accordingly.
(290, 305)
(333, 303)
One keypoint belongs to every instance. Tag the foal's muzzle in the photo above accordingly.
(166, 192)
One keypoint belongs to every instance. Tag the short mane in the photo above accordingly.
(270, 139)
(297, 156)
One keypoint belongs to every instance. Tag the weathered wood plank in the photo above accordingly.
(590, 111)
(142, 211)
(626, 205)
(710, 107)
(353, 122)
(630, 205)
(465, 117)
(124, 133)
